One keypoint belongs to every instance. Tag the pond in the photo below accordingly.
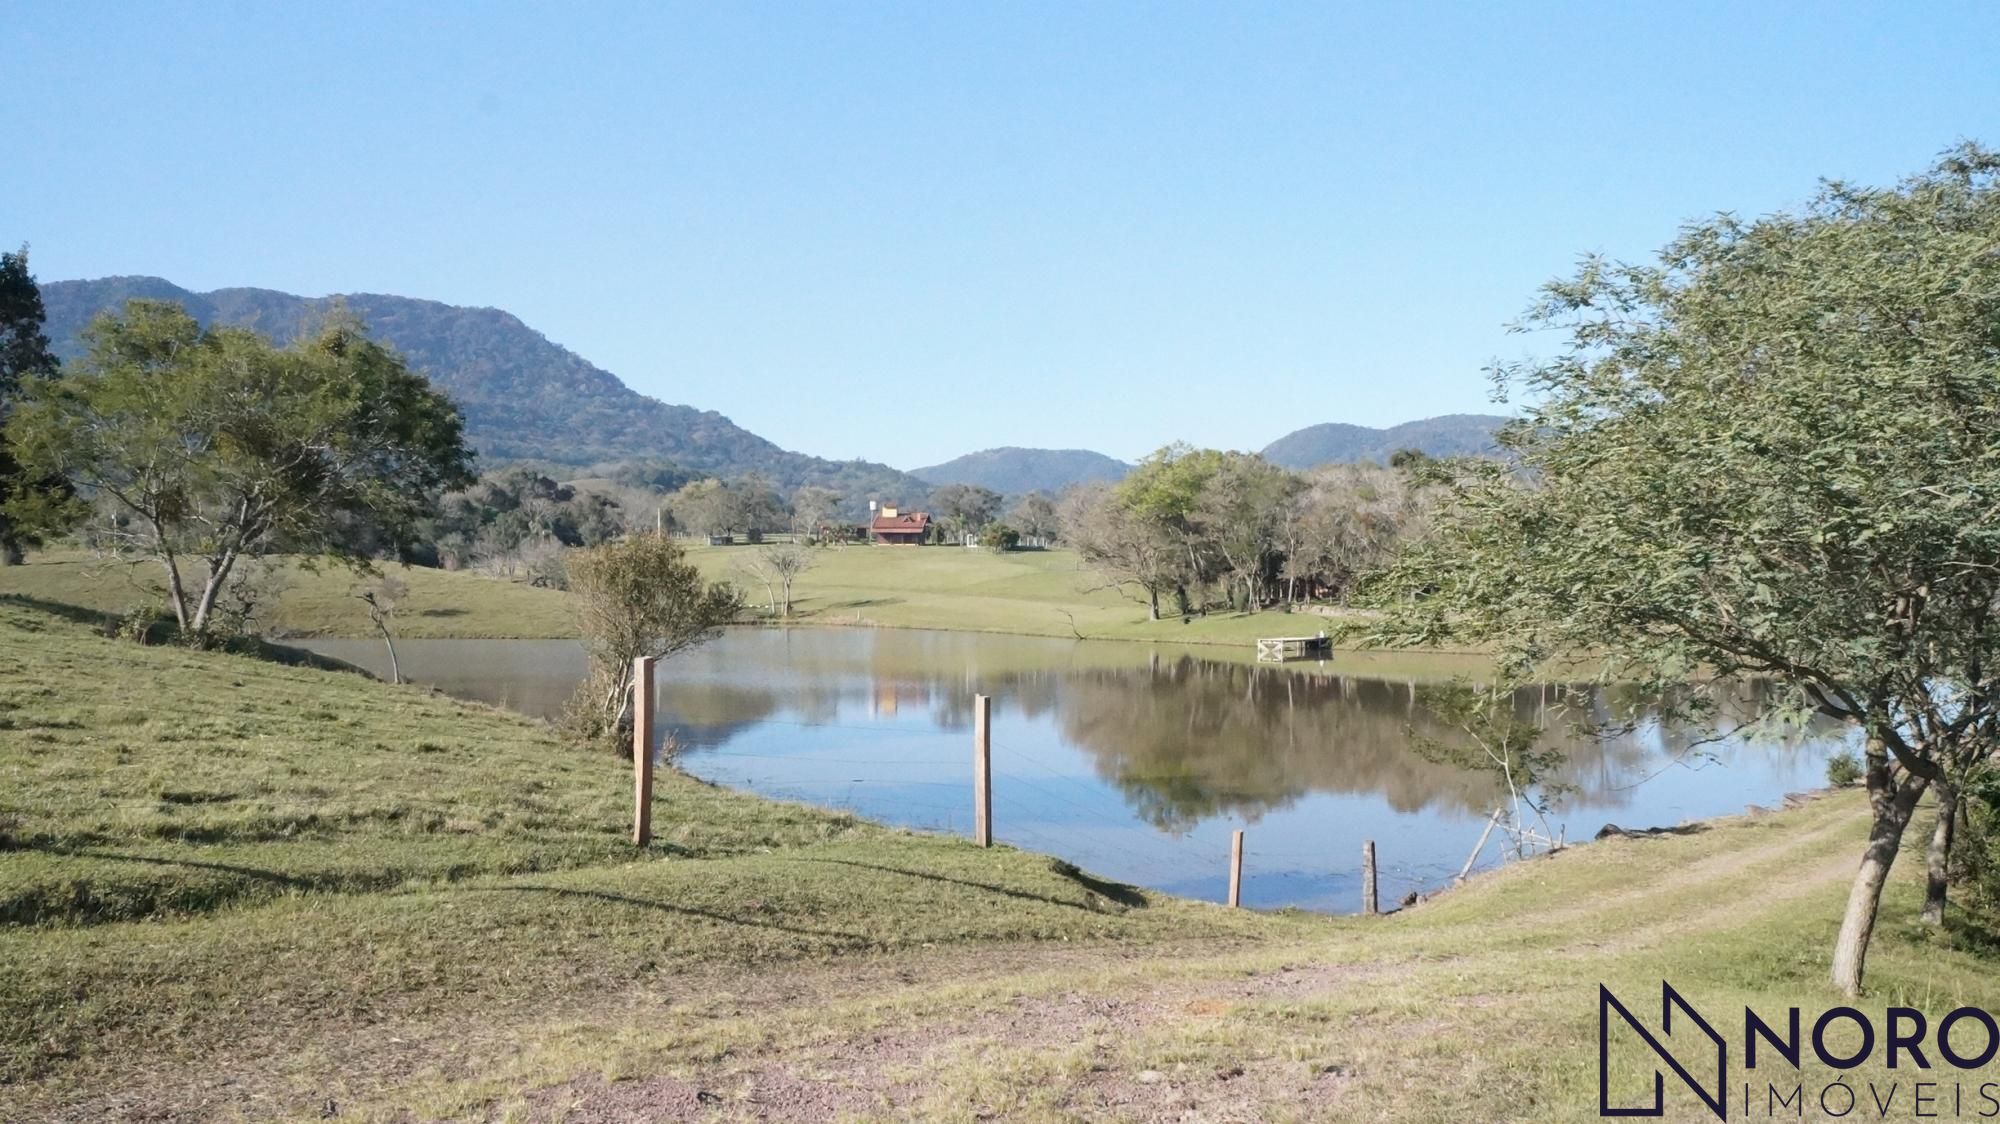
(1133, 761)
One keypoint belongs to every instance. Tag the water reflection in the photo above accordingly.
(1137, 761)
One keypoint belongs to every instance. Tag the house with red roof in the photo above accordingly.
(908, 528)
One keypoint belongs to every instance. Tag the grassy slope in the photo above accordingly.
(316, 602)
(268, 854)
(394, 901)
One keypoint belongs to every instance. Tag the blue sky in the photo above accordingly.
(909, 231)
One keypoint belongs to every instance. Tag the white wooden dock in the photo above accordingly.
(1278, 649)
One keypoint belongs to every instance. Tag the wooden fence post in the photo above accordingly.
(982, 770)
(1235, 869)
(1368, 902)
(642, 750)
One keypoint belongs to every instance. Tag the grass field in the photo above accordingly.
(236, 890)
(1037, 593)
(316, 602)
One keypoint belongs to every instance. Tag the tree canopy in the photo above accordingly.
(1772, 451)
(214, 445)
(26, 500)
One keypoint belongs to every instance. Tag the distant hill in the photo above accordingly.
(524, 397)
(1012, 471)
(1446, 436)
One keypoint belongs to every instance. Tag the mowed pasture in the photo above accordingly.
(1030, 592)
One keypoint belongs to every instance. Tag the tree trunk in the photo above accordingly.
(11, 553)
(1937, 862)
(395, 669)
(1893, 804)
(176, 593)
(218, 575)
(1152, 603)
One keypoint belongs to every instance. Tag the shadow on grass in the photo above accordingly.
(142, 903)
(77, 614)
(78, 904)
(1122, 894)
(664, 907)
(1129, 896)
(163, 634)
(856, 603)
(257, 873)
(1613, 831)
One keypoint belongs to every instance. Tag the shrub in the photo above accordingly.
(638, 596)
(1843, 769)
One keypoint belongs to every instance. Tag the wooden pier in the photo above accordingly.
(1278, 649)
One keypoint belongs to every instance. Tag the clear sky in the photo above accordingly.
(909, 231)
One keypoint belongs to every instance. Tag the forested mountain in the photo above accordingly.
(524, 397)
(1014, 471)
(1444, 436)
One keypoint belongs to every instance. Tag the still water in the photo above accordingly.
(1132, 761)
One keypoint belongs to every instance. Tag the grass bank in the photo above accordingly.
(311, 602)
(239, 890)
(211, 861)
(1034, 593)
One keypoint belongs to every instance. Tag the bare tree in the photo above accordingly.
(1351, 519)
(787, 562)
(1035, 516)
(383, 597)
(814, 509)
(1128, 550)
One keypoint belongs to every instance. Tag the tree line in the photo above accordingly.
(1205, 529)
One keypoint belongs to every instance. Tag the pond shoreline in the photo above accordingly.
(1134, 760)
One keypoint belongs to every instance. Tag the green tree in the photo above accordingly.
(1164, 493)
(965, 509)
(212, 447)
(1774, 451)
(1240, 509)
(639, 596)
(27, 501)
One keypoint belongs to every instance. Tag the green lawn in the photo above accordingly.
(1036, 593)
(317, 602)
(268, 853)
(240, 890)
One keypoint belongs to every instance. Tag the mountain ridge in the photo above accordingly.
(524, 396)
(1446, 435)
(1016, 470)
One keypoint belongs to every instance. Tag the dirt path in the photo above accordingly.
(912, 1063)
(1309, 1027)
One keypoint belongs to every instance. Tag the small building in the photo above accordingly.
(909, 528)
